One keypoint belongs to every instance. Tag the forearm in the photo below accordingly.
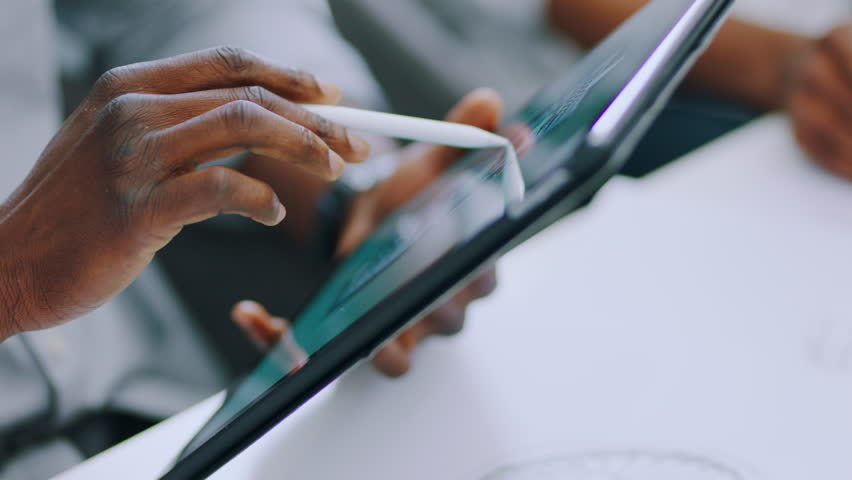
(749, 63)
(745, 62)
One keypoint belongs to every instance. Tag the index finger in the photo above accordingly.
(220, 67)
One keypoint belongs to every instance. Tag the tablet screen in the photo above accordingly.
(456, 207)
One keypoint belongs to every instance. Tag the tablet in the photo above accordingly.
(577, 133)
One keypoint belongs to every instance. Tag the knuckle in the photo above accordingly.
(447, 320)
(124, 114)
(325, 128)
(301, 81)
(127, 100)
(234, 59)
(240, 115)
(112, 111)
(111, 82)
(256, 94)
(219, 183)
(124, 105)
(483, 286)
(312, 149)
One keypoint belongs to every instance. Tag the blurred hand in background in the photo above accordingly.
(420, 165)
(820, 100)
(765, 68)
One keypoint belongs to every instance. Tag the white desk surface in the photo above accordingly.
(701, 312)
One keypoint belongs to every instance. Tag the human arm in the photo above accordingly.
(810, 78)
(746, 62)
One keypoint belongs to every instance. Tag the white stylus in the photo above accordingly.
(430, 131)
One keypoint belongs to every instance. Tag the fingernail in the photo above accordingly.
(330, 91)
(249, 305)
(359, 145)
(281, 212)
(335, 164)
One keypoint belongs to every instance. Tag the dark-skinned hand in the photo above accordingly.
(119, 179)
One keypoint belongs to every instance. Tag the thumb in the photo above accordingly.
(480, 108)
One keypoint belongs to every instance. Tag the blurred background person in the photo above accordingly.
(787, 55)
(797, 58)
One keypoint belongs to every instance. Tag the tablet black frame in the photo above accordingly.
(562, 194)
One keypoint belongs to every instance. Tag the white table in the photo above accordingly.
(701, 312)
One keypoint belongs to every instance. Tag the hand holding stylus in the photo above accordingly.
(420, 165)
(120, 179)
